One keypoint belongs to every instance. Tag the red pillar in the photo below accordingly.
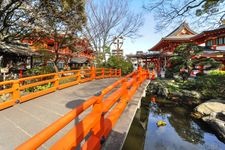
(201, 69)
(158, 66)
(21, 73)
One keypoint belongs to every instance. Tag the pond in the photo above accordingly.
(181, 130)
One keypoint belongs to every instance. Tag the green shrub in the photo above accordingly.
(169, 73)
(217, 72)
(210, 86)
(67, 80)
(39, 88)
(39, 70)
(116, 62)
(43, 87)
(182, 60)
(151, 66)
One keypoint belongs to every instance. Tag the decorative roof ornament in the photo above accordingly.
(222, 24)
(183, 29)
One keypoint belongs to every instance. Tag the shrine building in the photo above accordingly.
(212, 41)
(84, 54)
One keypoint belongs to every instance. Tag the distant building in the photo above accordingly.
(84, 54)
(141, 58)
(133, 59)
(15, 57)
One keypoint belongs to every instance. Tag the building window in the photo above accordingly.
(209, 43)
(220, 41)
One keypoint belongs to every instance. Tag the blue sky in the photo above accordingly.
(149, 37)
(147, 40)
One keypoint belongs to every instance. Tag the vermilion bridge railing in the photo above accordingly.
(97, 124)
(24, 89)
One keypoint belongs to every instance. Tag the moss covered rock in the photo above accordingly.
(172, 90)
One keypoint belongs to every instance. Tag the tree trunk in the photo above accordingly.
(55, 62)
(55, 67)
(56, 46)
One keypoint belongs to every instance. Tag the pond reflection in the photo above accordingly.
(181, 131)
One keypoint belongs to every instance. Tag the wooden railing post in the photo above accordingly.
(125, 91)
(140, 77)
(110, 72)
(103, 72)
(16, 91)
(98, 105)
(143, 74)
(136, 77)
(115, 72)
(98, 129)
(79, 76)
(148, 74)
(93, 74)
(56, 83)
(153, 75)
(120, 73)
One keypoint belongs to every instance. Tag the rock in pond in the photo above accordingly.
(208, 107)
(217, 122)
(213, 113)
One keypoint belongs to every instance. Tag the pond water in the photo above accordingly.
(182, 132)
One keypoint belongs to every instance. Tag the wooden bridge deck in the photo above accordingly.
(22, 121)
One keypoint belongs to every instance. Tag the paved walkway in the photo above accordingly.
(22, 121)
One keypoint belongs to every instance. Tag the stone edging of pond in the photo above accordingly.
(170, 90)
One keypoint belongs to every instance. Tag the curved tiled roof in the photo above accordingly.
(174, 35)
(183, 37)
(16, 48)
(78, 60)
(181, 33)
(179, 29)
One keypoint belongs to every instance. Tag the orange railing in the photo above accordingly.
(104, 110)
(24, 89)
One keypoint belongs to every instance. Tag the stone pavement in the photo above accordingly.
(22, 121)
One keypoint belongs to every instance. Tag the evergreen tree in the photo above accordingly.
(187, 57)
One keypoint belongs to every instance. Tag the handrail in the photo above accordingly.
(48, 132)
(99, 122)
(24, 89)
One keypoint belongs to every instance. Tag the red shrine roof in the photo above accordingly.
(182, 30)
(182, 33)
(215, 32)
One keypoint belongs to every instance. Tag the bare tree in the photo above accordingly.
(107, 19)
(51, 20)
(202, 13)
(12, 17)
